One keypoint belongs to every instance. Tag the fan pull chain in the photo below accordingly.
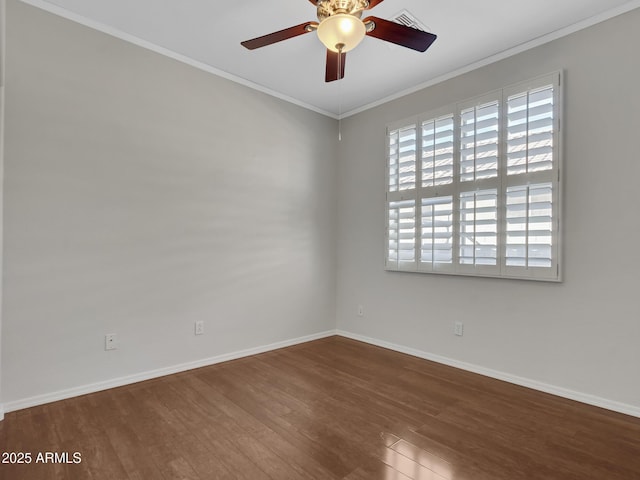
(340, 47)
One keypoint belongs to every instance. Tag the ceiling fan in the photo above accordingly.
(341, 28)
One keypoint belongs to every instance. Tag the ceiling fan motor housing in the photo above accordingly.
(328, 8)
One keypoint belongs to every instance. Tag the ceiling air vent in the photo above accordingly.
(407, 19)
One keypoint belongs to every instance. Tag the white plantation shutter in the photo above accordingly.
(531, 181)
(402, 234)
(402, 159)
(402, 148)
(530, 226)
(436, 238)
(478, 231)
(437, 151)
(479, 142)
(474, 188)
(530, 131)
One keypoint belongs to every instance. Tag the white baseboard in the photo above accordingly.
(161, 372)
(487, 372)
(119, 382)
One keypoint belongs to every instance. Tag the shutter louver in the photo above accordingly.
(437, 151)
(530, 131)
(402, 232)
(529, 226)
(479, 227)
(436, 243)
(479, 128)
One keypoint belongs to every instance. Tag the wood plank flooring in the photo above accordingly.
(330, 409)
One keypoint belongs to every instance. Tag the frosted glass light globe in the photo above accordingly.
(341, 29)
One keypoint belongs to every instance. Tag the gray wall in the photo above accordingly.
(142, 195)
(2, 67)
(581, 335)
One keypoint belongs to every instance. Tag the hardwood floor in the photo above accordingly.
(329, 409)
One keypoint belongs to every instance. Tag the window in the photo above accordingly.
(474, 188)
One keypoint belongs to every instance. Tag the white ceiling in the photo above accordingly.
(207, 34)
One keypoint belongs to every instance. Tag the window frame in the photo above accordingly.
(501, 183)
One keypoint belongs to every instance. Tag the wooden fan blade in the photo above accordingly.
(315, 2)
(372, 3)
(335, 66)
(400, 34)
(278, 36)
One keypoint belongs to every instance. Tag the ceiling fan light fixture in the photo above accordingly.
(341, 32)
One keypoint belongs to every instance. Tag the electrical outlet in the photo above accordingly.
(110, 341)
(199, 327)
(458, 328)
(360, 311)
